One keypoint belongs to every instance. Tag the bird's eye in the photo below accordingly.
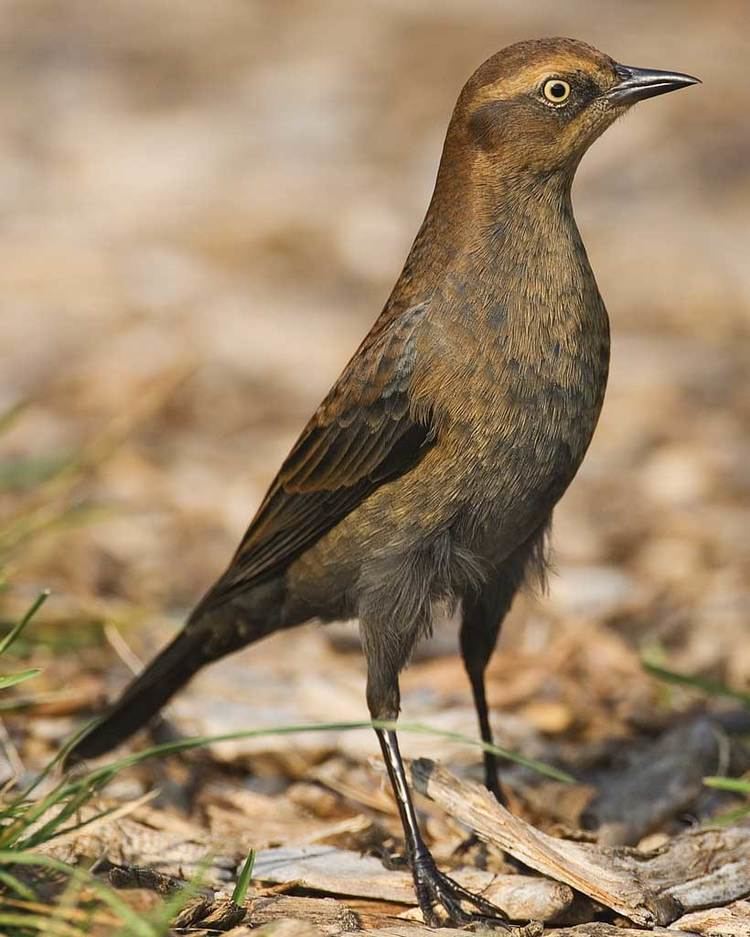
(556, 91)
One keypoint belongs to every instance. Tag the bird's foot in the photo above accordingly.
(468, 845)
(436, 890)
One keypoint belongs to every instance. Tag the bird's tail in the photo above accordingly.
(163, 677)
(215, 628)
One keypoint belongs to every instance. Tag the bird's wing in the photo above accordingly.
(363, 434)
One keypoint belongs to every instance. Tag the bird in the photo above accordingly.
(425, 481)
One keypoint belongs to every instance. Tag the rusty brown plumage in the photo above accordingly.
(429, 473)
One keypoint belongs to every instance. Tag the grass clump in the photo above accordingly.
(83, 905)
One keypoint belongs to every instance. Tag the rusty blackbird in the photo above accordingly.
(427, 477)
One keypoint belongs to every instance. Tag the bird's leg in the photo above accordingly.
(482, 616)
(481, 619)
(477, 645)
(490, 759)
(433, 888)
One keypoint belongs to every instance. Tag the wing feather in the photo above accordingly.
(363, 434)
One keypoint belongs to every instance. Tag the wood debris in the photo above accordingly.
(731, 921)
(337, 872)
(698, 868)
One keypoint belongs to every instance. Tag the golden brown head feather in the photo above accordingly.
(506, 119)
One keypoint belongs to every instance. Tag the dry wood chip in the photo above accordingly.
(582, 930)
(215, 913)
(284, 927)
(316, 799)
(133, 876)
(224, 914)
(315, 917)
(193, 912)
(334, 919)
(167, 844)
(339, 872)
(337, 921)
(331, 916)
(552, 803)
(731, 921)
(698, 869)
(597, 929)
(256, 820)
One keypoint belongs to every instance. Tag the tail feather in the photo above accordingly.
(213, 630)
(163, 677)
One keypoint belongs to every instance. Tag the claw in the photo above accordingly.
(434, 889)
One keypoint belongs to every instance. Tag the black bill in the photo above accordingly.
(636, 84)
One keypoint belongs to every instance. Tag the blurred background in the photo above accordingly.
(203, 207)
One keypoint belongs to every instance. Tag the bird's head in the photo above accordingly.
(535, 107)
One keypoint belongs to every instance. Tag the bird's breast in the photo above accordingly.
(519, 394)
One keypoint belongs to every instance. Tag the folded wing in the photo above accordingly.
(363, 434)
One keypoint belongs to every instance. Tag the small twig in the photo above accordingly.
(123, 650)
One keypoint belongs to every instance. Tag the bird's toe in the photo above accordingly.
(437, 892)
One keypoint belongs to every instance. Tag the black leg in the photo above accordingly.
(479, 632)
(386, 655)
(483, 614)
(431, 885)
(490, 759)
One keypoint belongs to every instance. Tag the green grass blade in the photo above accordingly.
(243, 882)
(47, 926)
(730, 818)
(138, 925)
(540, 767)
(736, 785)
(27, 813)
(16, 885)
(182, 745)
(71, 795)
(13, 634)
(9, 417)
(52, 827)
(45, 772)
(25, 474)
(75, 827)
(12, 679)
(711, 687)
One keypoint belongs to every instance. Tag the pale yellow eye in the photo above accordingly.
(556, 91)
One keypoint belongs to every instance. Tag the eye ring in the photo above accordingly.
(556, 91)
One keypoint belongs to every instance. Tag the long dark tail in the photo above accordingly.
(213, 630)
(163, 677)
